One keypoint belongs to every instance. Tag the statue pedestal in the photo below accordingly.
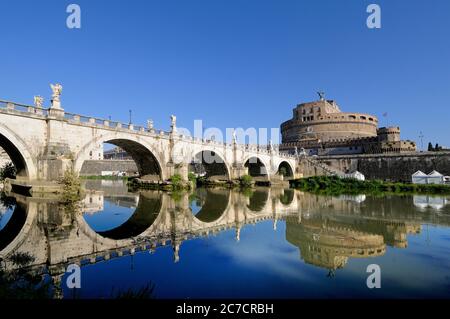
(56, 112)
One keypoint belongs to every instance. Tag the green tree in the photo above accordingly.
(430, 147)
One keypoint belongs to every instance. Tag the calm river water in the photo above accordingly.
(215, 243)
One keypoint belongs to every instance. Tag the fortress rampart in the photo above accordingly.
(388, 167)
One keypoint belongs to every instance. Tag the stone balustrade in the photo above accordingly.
(28, 110)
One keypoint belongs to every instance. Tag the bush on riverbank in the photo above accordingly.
(337, 185)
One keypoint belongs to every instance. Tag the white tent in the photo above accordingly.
(356, 175)
(435, 178)
(419, 177)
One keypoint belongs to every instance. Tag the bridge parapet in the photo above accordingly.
(73, 118)
(22, 108)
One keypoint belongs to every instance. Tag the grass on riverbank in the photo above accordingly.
(337, 185)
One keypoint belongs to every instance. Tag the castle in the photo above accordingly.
(321, 128)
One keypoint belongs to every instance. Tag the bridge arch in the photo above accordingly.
(17, 151)
(285, 169)
(210, 162)
(146, 157)
(257, 168)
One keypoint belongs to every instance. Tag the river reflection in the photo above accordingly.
(219, 243)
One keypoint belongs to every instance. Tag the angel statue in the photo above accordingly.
(38, 101)
(57, 90)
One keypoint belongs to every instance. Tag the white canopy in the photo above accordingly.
(419, 173)
(436, 174)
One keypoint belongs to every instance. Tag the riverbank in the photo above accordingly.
(337, 185)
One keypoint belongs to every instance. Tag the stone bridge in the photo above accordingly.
(44, 142)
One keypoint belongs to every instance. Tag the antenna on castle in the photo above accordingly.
(321, 95)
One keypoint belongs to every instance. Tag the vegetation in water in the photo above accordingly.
(20, 283)
(246, 181)
(177, 182)
(192, 177)
(8, 171)
(146, 292)
(247, 191)
(71, 187)
(335, 185)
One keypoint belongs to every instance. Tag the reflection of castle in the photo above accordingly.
(329, 246)
(321, 128)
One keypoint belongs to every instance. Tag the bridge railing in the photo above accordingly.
(111, 124)
(22, 108)
(95, 121)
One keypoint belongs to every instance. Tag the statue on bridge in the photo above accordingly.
(57, 90)
(38, 101)
(173, 124)
(271, 148)
(150, 124)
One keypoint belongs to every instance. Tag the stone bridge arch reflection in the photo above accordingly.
(258, 199)
(144, 216)
(12, 227)
(208, 205)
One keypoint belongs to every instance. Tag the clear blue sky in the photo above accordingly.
(232, 63)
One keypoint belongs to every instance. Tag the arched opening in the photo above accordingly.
(285, 170)
(258, 199)
(210, 165)
(117, 208)
(13, 155)
(208, 205)
(256, 168)
(121, 157)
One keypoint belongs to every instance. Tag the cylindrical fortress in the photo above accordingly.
(322, 120)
